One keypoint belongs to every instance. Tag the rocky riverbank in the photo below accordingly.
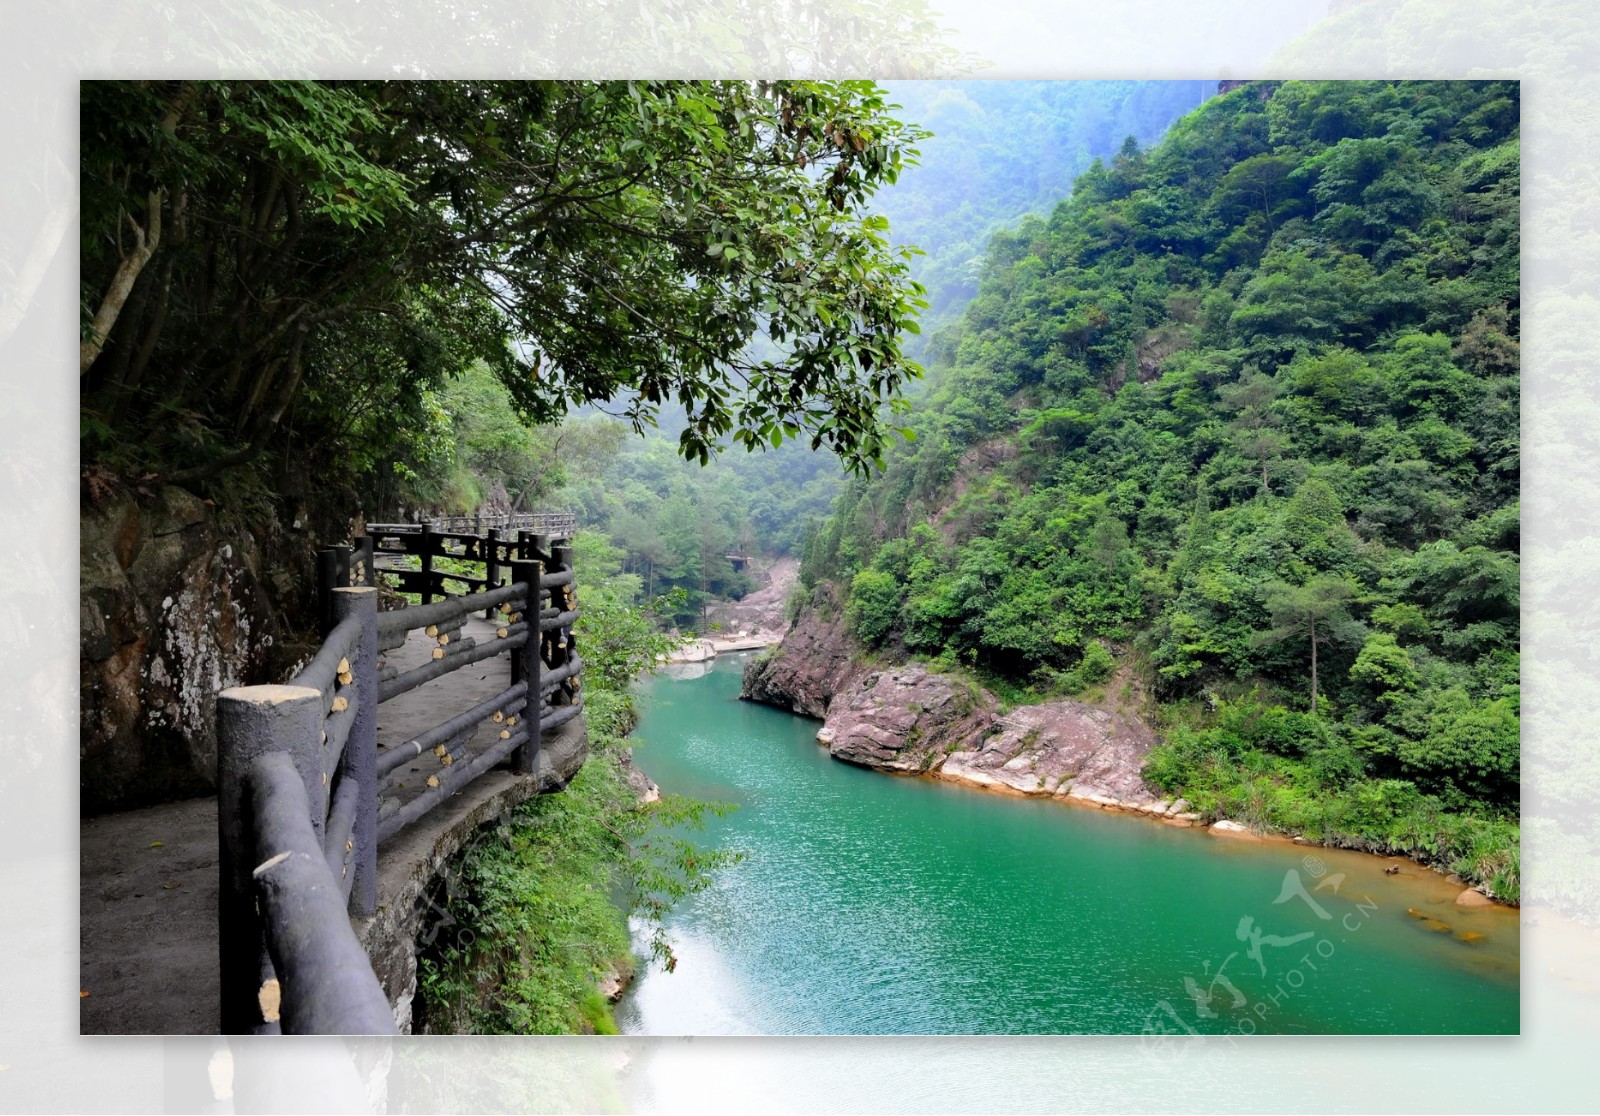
(750, 624)
(757, 619)
(911, 719)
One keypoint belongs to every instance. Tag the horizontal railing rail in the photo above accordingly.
(305, 795)
(407, 552)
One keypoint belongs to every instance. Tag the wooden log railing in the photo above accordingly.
(492, 542)
(490, 539)
(305, 796)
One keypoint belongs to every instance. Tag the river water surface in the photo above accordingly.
(873, 904)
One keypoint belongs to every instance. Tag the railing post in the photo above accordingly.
(528, 666)
(252, 720)
(342, 570)
(327, 578)
(367, 548)
(491, 565)
(360, 760)
(561, 559)
(425, 544)
(524, 543)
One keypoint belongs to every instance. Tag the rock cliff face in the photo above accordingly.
(171, 610)
(815, 661)
(905, 718)
(910, 719)
(1062, 748)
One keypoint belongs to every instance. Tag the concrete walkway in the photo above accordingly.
(147, 930)
(148, 878)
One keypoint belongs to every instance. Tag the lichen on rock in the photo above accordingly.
(170, 612)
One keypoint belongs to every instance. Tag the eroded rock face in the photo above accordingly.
(906, 718)
(642, 784)
(170, 612)
(760, 613)
(1061, 748)
(815, 661)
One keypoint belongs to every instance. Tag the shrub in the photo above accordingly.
(1096, 666)
(874, 605)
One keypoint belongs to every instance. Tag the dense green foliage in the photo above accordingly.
(1000, 150)
(1246, 408)
(473, 452)
(680, 525)
(531, 918)
(281, 272)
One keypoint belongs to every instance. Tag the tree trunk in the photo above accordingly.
(145, 242)
(125, 390)
(264, 427)
(1313, 668)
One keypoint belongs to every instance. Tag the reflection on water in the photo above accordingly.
(873, 904)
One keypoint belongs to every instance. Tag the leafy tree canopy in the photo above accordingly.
(263, 263)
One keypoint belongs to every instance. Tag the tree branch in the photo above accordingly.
(263, 432)
(145, 242)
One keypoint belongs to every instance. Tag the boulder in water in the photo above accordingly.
(1226, 828)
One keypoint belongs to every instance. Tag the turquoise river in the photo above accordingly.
(872, 904)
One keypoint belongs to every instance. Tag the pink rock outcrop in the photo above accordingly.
(1061, 748)
(911, 719)
(815, 661)
(906, 718)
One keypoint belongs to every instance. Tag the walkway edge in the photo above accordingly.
(408, 917)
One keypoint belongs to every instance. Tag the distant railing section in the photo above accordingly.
(557, 524)
(492, 541)
(305, 796)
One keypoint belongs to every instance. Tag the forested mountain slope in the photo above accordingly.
(1244, 413)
